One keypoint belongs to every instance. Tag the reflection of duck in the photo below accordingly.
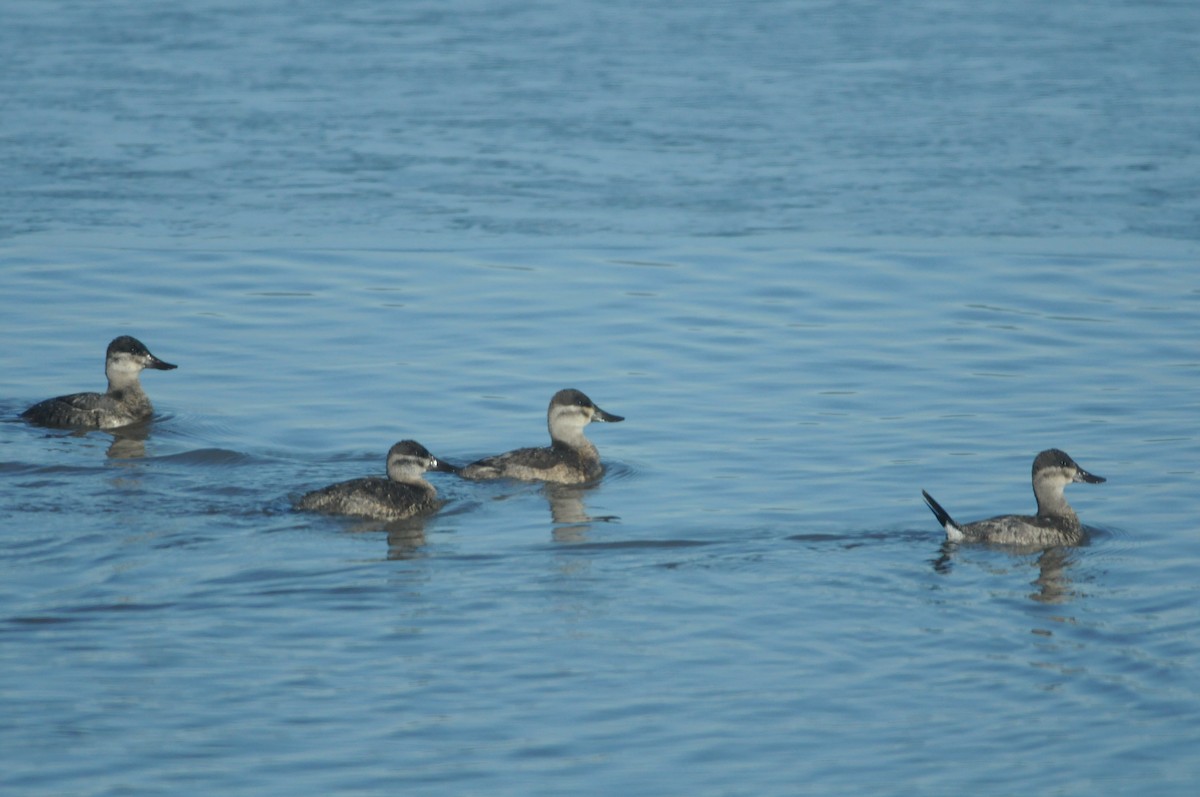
(566, 504)
(405, 538)
(1055, 523)
(567, 511)
(122, 404)
(1053, 582)
(570, 459)
(129, 442)
(403, 494)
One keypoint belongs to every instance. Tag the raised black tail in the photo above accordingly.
(953, 530)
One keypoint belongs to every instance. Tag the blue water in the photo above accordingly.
(820, 255)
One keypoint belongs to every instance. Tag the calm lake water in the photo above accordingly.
(820, 255)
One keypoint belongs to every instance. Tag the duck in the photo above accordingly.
(569, 459)
(1055, 523)
(403, 494)
(123, 404)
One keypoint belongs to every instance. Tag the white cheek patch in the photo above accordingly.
(1059, 477)
(574, 416)
(125, 364)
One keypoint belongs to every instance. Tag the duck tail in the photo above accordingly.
(953, 530)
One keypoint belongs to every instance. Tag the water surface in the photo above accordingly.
(821, 256)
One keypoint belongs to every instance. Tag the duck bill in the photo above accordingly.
(1082, 475)
(160, 364)
(607, 417)
(444, 467)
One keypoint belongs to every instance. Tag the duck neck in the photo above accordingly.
(1051, 502)
(127, 389)
(574, 441)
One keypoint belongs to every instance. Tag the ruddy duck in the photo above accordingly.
(570, 459)
(403, 494)
(1055, 523)
(124, 403)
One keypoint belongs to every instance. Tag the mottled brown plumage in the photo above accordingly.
(1055, 522)
(124, 402)
(403, 494)
(570, 459)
